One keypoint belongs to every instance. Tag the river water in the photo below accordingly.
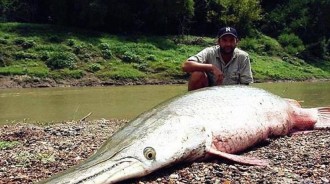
(53, 105)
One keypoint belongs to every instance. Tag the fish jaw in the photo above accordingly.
(102, 173)
(119, 171)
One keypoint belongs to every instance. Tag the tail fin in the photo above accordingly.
(323, 121)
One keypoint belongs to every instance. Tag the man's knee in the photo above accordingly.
(198, 76)
(197, 80)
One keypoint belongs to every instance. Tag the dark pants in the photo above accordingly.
(211, 79)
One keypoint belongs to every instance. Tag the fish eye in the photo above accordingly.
(149, 153)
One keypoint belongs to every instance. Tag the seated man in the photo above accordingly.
(223, 64)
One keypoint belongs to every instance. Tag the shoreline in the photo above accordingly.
(9, 82)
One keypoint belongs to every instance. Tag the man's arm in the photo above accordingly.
(192, 66)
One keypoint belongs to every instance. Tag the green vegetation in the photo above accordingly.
(47, 51)
(7, 144)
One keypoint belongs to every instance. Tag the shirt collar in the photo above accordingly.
(218, 53)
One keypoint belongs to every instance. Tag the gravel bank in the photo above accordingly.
(24, 81)
(41, 151)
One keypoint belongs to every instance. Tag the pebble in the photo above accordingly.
(325, 180)
(174, 176)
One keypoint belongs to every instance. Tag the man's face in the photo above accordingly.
(227, 44)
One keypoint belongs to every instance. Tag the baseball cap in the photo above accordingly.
(227, 31)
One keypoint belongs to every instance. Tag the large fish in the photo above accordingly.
(216, 121)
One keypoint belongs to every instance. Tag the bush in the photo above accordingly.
(261, 45)
(249, 44)
(141, 66)
(28, 44)
(19, 41)
(292, 43)
(21, 55)
(77, 49)
(107, 54)
(131, 57)
(60, 60)
(25, 44)
(44, 56)
(104, 46)
(271, 46)
(151, 58)
(3, 41)
(120, 49)
(106, 51)
(83, 51)
(71, 42)
(55, 39)
(4, 58)
(94, 67)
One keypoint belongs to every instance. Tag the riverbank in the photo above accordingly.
(34, 55)
(25, 81)
(36, 152)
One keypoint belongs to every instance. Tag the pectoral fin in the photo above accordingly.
(239, 159)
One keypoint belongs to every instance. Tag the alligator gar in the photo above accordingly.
(216, 121)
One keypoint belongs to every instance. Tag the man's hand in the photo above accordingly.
(192, 66)
(217, 74)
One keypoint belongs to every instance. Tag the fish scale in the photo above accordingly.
(211, 122)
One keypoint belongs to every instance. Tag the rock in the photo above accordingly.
(174, 176)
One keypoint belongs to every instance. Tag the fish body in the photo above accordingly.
(216, 121)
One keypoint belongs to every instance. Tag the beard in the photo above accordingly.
(227, 50)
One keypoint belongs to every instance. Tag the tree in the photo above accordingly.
(199, 21)
(59, 12)
(149, 16)
(180, 13)
(308, 19)
(242, 14)
(16, 10)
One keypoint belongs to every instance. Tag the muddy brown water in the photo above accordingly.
(40, 105)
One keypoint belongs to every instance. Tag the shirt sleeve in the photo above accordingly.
(201, 57)
(245, 71)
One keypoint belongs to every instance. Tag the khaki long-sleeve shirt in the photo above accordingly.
(236, 71)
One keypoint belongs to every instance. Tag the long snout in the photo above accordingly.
(105, 172)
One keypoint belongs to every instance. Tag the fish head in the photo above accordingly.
(161, 147)
(136, 151)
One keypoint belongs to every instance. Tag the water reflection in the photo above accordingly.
(65, 104)
(123, 102)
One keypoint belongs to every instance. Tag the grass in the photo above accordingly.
(48, 51)
(271, 68)
(7, 144)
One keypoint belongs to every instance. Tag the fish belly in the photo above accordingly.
(238, 121)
